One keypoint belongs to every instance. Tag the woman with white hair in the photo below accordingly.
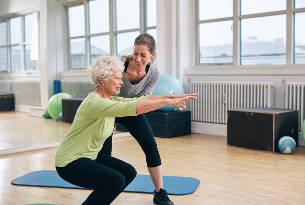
(139, 79)
(78, 160)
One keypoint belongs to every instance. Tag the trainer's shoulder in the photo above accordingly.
(154, 70)
(154, 67)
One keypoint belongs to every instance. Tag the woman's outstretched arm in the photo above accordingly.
(155, 102)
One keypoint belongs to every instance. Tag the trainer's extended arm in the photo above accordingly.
(155, 102)
(172, 96)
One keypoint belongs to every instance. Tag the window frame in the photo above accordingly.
(295, 11)
(113, 33)
(22, 43)
(7, 47)
(290, 12)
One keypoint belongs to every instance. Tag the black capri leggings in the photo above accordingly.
(140, 129)
(106, 175)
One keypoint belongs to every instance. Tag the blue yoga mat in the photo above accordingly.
(142, 183)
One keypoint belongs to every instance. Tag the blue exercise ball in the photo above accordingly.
(167, 84)
(60, 116)
(287, 145)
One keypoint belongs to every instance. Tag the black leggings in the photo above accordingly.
(140, 129)
(107, 176)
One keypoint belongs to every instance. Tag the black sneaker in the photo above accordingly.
(161, 198)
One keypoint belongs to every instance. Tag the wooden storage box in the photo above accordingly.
(167, 124)
(7, 102)
(69, 108)
(261, 128)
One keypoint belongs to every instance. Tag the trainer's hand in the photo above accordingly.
(180, 102)
(173, 96)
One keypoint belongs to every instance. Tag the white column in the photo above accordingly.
(175, 32)
(43, 53)
(186, 55)
(164, 35)
(52, 49)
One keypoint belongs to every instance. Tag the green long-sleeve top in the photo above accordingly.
(92, 125)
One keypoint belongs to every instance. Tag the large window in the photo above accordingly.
(263, 40)
(103, 27)
(215, 31)
(251, 32)
(18, 44)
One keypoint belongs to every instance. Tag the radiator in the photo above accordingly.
(216, 97)
(294, 96)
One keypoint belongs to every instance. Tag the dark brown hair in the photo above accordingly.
(146, 39)
(143, 39)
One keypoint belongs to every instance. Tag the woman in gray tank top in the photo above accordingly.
(139, 79)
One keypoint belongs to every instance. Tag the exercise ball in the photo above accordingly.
(45, 114)
(286, 145)
(303, 131)
(55, 104)
(166, 85)
(60, 116)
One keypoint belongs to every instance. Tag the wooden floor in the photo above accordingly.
(20, 130)
(228, 175)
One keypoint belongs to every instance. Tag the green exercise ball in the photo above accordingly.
(55, 104)
(303, 131)
(46, 115)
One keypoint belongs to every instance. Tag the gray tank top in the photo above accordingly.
(144, 87)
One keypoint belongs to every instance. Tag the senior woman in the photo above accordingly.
(77, 159)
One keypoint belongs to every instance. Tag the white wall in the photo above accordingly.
(13, 7)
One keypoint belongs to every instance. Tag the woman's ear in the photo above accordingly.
(151, 60)
(153, 55)
(100, 81)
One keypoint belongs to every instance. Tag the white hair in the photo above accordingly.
(102, 68)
